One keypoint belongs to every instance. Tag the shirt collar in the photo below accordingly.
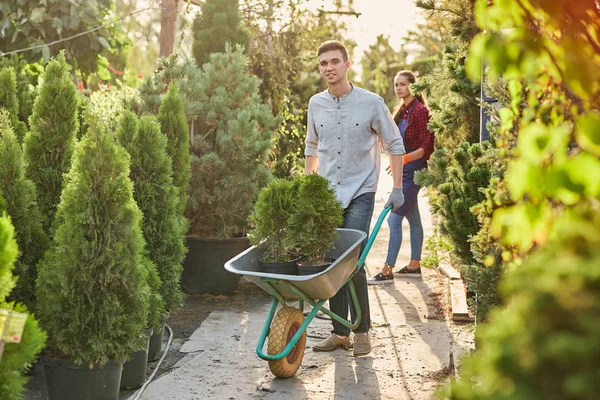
(344, 96)
(409, 105)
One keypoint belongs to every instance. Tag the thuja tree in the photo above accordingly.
(26, 82)
(17, 358)
(10, 101)
(156, 195)
(53, 129)
(21, 205)
(173, 123)
(92, 284)
(543, 344)
(230, 148)
(217, 24)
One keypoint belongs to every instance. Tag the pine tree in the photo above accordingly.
(173, 122)
(49, 143)
(217, 24)
(164, 226)
(230, 149)
(21, 205)
(10, 102)
(92, 285)
(17, 357)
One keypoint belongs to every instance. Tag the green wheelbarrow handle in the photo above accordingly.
(363, 256)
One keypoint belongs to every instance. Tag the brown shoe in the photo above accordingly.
(332, 342)
(362, 344)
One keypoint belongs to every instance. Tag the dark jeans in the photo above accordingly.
(356, 216)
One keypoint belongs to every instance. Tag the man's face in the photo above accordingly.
(332, 66)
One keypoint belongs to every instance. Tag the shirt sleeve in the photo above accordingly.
(312, 138)
(387, 130)
(424, 138)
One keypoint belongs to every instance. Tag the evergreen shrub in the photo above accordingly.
(274, 206)
(53, 129)
(163, 224)
(230, 149)
(311, 227)
(92, 285)
(21, 205)
(10, 101)
(17, 358)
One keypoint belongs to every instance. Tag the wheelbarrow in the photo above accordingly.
(287, 330)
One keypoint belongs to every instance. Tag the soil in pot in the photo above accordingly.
(305, 268)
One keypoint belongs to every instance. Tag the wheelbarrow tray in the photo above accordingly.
(321, 286)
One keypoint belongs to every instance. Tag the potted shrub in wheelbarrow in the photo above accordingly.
(311, 227)
(271, 211)
(92, 285)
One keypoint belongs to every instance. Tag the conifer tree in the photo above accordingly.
(49, 143)
(92, 285)
(156, 195)
(21, 205)
(217, 24)
(10, 101)
(173, 122)
(17, 357)
(230, 149)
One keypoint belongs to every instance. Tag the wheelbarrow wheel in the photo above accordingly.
(284, 326)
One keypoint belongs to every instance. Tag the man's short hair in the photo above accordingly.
(330, 45)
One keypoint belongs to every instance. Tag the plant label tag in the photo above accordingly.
(12, 325)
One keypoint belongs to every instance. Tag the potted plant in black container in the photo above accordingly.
(311, 227)
(92, 284)
(271, 211)
(229, 154)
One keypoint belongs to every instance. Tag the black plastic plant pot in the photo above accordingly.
(156, 339)
(134, 370)
(204, 266)
(306, 269)
(69, 381)
(282, 267)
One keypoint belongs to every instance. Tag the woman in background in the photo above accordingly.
(412, 117)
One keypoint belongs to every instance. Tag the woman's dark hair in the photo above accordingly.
(412, 78)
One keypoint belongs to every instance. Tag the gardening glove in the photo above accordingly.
(396, 199)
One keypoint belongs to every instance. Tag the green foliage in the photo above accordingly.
(17, 357)
(108, 104)
(173, 122)
(315, 217)
(27, 78)
(49, 144)
(10, 101)
(92, 285)
(379, 64)
(545, 344)
(275, 204)
(437, 249)
(21, 205)
(216, 25)
(230, 148)
(28, 23)
(164, 226)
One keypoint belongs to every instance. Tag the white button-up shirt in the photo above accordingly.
(343, 134)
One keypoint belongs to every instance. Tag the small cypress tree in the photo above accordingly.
(173, 122)
(10, 101)
(17, 357)
(92, 285)
(216, 25)
(230, 149)
(156, 195)
(21, 206)
(49, 143)
(315, 217)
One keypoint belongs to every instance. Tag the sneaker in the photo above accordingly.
(380, 278)
(332, 342)
(407, 270)
(362, 344)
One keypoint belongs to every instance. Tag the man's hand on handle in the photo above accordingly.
(396, 199)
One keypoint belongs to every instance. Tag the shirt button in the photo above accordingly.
(339, 108)
(339, 183)
(339, 123)
(340, 138)
(339, 152)
(339, 167)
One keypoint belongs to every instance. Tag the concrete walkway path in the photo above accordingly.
(410, 336)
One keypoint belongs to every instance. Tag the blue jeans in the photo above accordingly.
(357, 215)
(416, 235)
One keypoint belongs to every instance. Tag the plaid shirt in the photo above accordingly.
(417, 134)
